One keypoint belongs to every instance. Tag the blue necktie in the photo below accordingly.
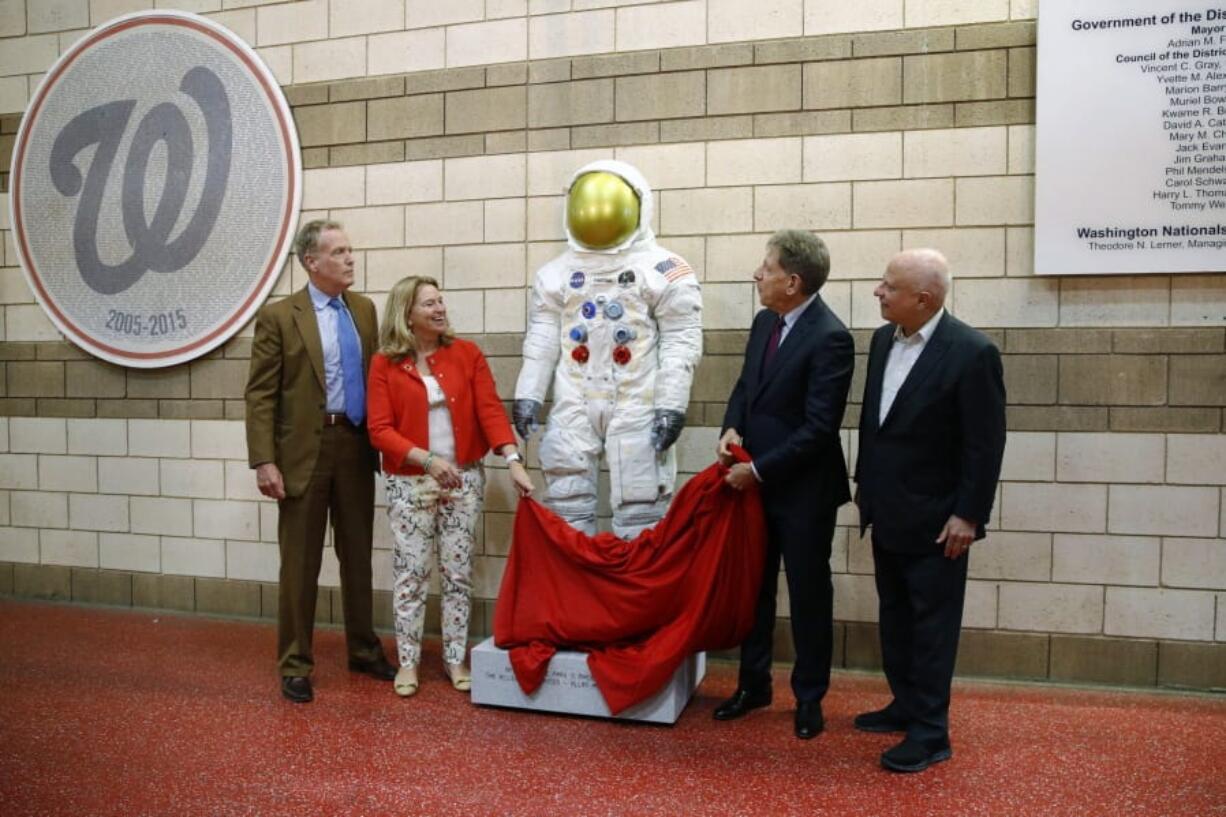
(351, 364)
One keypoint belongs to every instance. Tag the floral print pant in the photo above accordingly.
(426, 520)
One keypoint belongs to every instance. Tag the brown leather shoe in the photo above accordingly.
(375, 668)
(297, 688)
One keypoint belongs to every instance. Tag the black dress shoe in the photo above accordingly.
(375, 668)
(914, 756)
(809, 720)
(297, 688)
(741, 702)
(880, 721)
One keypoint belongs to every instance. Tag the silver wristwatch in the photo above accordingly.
(516, 457)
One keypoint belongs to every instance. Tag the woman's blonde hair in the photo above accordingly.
(396, 340)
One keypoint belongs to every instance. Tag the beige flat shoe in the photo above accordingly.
(460, 677)
(406, 682)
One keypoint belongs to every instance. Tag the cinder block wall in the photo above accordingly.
(442, 135)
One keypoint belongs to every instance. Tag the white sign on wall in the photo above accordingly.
(1130, 164)
(155, 187)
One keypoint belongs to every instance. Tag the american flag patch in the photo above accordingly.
(673, 268)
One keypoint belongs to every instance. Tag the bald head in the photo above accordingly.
(914, 288)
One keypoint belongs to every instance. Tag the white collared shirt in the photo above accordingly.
(789, 319)
(904, 351)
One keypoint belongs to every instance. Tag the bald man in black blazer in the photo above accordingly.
(932, 435)
(786, 409)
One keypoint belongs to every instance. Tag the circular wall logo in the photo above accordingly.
(155, 187)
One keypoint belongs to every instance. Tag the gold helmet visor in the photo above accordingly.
(602, 210)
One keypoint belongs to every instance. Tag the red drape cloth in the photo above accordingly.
(638, 608)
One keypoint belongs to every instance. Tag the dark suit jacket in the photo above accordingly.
(789, 415)
(285, 388)
(939, 450)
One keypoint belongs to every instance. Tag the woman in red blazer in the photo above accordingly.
(433, 413)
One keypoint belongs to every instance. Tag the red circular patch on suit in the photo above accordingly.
(621, 355)
(580, 354)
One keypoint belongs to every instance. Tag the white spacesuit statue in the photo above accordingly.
(625, 317)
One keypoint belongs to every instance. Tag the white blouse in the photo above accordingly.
(442, 433)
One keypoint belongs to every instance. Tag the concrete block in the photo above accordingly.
(128, 475)
(740, 20)
(1016, 556)
(615, 65)
(1196, 459)
(505, 220)
(1197, 299)
(860, 254)
(484, 177)
(1113, 380)
(567, 35)
(954, 77)
(1197, 563)
(488, 109)
(67, 473)
(453, 222)
(627, 133)
(754, 161)
(102, 587)
(227, 597)
(164, 592)
(988, 303)
(801, 123)
(668, 166)
(868, 15)
(1199, 666)
(1165, 420)
(956, 152)
(920, 203)
(748, 90)
(160, 515)
(664, 25)
(1063, 608)
(722, 210)
(349, 17)
(1031, 379)
(35, 379)
(94, 378)
(1164, 510)
(996, 112)
(995, 200)
(1198, 380)
(38, 435)
(1056, 418)
(50, 582)
(193, 557)
(803, 206)
(480, 266)
(406, 51)
(852, 157)
(1136, 301)
(570, 103)
(404, 117)
(998, 654)
(488, 42)
(129, 552)
(68, 547)
(1054, 507)
(902, 41)
(1098, 660)
(853, 83)
(98, 512)
(706, 129)
(802, 50)
(38, 509)
(1091, 559)
(707, 56)
(569, 688)
(661, 96)
(324, 60)
(1160, 613)
(1111, 457)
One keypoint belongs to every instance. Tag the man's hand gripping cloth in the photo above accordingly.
(638, 608)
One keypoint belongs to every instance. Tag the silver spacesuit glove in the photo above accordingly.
(666, 427)
(523, 414)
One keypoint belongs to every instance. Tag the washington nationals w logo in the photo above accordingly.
(153, 249)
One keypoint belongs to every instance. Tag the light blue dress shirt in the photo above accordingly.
(334, 378)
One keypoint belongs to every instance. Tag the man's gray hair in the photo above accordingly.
(307, 240)
(803, 254)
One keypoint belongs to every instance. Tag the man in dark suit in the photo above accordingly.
(306, 440)
(785, 410)
(932, 435)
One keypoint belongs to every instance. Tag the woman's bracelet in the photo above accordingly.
(425, 466)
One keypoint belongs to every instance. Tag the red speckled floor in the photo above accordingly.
(131, 713)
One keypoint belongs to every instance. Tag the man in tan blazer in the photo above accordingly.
(307, 441)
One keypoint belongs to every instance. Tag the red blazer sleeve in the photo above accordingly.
(380, 419)
(490, 413)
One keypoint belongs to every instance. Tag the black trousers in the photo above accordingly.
(805, 553)
(920, 601)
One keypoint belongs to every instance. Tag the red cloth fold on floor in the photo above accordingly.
(638, 608)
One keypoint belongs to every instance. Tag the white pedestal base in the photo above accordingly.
(568, 687)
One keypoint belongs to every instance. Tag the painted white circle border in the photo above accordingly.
(219, 333)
